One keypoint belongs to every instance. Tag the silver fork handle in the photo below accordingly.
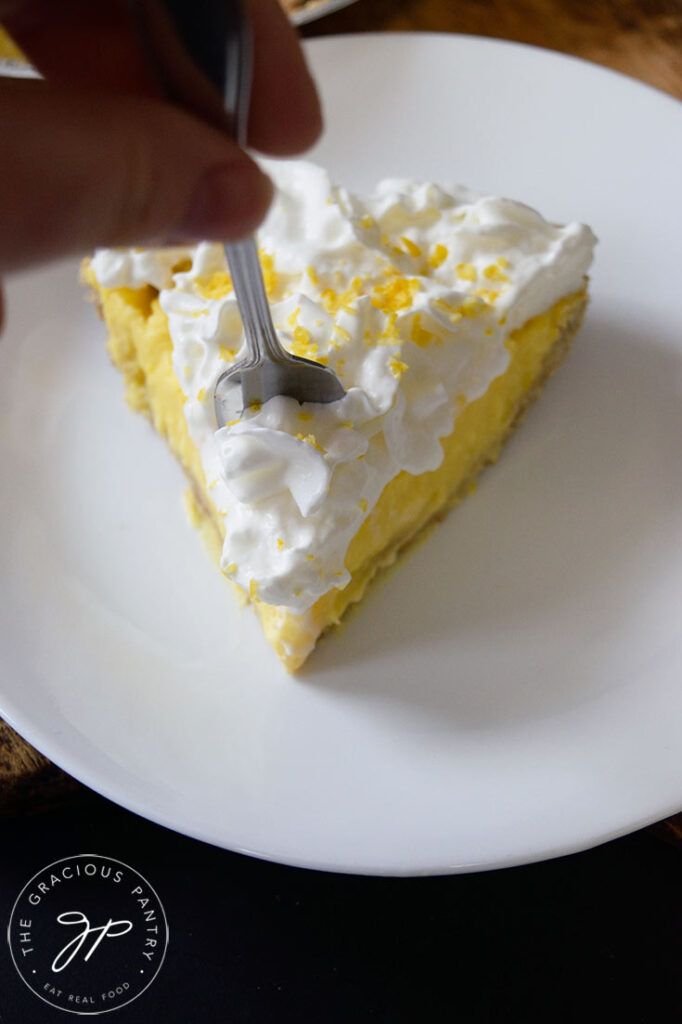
(247, 278)
(238, 71)
(215, 35)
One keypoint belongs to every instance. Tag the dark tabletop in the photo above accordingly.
(594, 936)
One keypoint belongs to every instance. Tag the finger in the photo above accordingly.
(93, 46)
(285, 116)
(80, 44)
(82, 171)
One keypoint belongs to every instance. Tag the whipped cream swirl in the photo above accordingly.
(408, 294)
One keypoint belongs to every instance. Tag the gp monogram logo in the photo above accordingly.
(88, 934)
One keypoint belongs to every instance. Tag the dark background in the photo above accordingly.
(594, 936)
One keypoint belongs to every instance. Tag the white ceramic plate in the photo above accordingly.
(514, 690)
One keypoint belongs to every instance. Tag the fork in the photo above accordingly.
(216, 37)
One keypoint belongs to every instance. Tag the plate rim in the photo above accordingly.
(493, 42)
(113, 794)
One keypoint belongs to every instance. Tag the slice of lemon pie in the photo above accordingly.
(441, 310)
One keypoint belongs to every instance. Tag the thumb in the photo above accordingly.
(81, 171)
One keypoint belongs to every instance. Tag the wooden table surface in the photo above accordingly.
(642, 38)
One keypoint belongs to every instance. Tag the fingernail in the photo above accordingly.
(229, 202)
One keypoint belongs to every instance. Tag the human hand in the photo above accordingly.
(93, 156)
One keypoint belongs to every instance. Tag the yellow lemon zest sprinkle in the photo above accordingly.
(391, 270)
(472, 306)
(267, 262)
(310, 439)
(334, 301)
(226, 353)
(411, 248)
(454, 314)
(305, 416)
(310, 558)
(493, 273)
(397, 294)
(307, 351)
(397, 367)
(467, 271)
(187, 372)
(348, 424)
(219, 283)
(502, 321)
(302, 335)
(303, 346)
(503, 262)
(280, 543)
(438, 255)
(231, 423)
(419, 335)
(213, 484)
(312, 274)
(292, 319)
(232, 567)
(181, 267)
(201, 395)
(253, 589)
(255, 405)
(367, 222)
(362, 504)
(299, 590)
(390, 335)
(489, 331)
(488, 295)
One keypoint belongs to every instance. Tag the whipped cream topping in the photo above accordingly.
(408, 294)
